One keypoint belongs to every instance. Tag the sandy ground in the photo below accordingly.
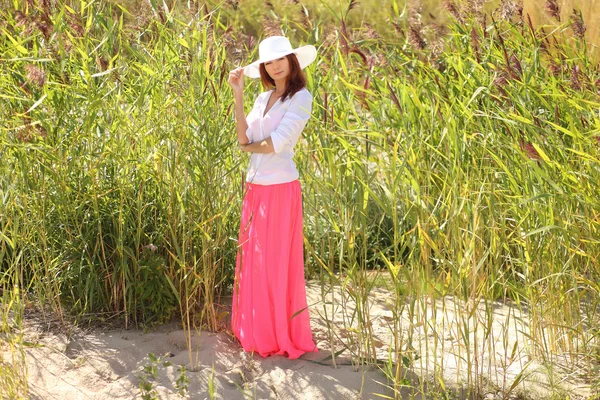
(110, 365)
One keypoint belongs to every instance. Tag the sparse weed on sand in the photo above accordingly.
(459, 163)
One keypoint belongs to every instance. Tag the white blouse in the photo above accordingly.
(284, 122)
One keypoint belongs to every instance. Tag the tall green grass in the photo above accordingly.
(459, 161)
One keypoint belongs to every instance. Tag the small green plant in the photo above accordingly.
(211, 383)
(182, 382)
(146, 390)
(148, 374)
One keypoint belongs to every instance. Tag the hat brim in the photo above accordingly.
(306, 55)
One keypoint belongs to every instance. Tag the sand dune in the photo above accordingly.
(110, 365)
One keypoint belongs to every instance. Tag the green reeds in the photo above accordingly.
(468, 176)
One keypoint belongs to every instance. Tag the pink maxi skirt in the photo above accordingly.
(269, 310)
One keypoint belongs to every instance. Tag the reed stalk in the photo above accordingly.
(465, 177)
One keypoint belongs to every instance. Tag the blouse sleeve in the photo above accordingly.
(293, 121)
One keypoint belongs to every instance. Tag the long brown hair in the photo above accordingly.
(295, 80)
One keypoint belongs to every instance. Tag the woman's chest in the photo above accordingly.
(270, 116)
(269, 105)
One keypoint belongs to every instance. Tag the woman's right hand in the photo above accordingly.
(236, 79)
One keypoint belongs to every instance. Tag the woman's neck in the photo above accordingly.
(279, 88)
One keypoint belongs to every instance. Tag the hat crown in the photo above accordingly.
(274, 47)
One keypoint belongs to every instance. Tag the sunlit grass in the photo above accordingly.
(468, 169)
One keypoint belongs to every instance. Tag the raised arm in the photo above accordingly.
(236, 80)
(241, 125)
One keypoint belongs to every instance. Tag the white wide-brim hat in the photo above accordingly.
(275, 47)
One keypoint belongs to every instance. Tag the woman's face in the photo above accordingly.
(278, 69)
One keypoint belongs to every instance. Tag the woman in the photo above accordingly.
(269, 310)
